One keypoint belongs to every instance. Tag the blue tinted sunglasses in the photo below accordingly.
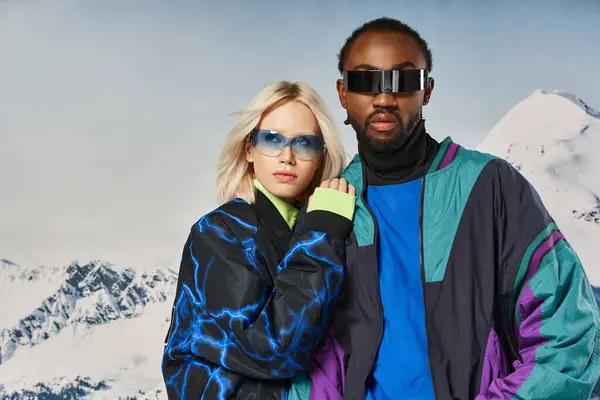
(271, 143)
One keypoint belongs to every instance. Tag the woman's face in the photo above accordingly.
(286, 171)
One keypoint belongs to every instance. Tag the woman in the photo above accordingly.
(255, 291)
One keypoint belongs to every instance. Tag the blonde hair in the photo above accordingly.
(235, 174)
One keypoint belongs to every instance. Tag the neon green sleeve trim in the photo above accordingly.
(325, 199)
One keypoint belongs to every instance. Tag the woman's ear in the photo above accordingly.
(249, 150)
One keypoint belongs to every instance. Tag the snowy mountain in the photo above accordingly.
(96, 330)
(553, 139)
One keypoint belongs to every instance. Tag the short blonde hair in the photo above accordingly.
(235, 174)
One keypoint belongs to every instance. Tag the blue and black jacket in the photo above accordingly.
(254, 297)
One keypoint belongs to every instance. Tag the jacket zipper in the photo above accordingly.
(375, 239)
(423, 279)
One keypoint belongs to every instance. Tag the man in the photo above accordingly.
(459, 283)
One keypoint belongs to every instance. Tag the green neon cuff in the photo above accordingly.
(340, 203)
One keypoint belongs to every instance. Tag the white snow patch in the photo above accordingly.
(553, 139)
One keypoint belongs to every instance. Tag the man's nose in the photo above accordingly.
(287, 155)
(384, 100)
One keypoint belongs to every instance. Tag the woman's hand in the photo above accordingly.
(339, 184)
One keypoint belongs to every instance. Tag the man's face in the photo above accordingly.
(384, 120)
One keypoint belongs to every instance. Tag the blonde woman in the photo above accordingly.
(255, 291)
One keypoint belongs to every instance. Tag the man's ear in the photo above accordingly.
(249, 150)
(428, 90)
(339, 86)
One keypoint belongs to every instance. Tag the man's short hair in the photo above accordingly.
(384, 24)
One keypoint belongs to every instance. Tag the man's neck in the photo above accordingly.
(409, 162)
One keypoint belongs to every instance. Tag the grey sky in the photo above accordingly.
(112, 114)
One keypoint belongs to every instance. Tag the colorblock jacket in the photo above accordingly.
(254, 298)
(509, 312)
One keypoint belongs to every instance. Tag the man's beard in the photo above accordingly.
(406, 127)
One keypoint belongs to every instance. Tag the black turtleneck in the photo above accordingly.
(409, 162)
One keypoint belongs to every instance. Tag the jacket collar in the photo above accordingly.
(445, 156)
(277, 212)
(363, 223)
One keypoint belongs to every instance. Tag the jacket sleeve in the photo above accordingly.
(552, 306)
(229, 315)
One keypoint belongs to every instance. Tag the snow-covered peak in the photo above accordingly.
(576, 100)
(7, 263)
(10, 271)
(552, 138)
(90, 294)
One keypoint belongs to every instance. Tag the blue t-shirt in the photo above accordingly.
(401, 370)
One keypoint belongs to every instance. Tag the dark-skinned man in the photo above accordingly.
(459, 283)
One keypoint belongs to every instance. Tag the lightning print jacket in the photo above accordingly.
(254, 298)
(508, 310)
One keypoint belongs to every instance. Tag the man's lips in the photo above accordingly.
(383, 122)
(387, 117)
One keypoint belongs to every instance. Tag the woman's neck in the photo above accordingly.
(287, 211)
